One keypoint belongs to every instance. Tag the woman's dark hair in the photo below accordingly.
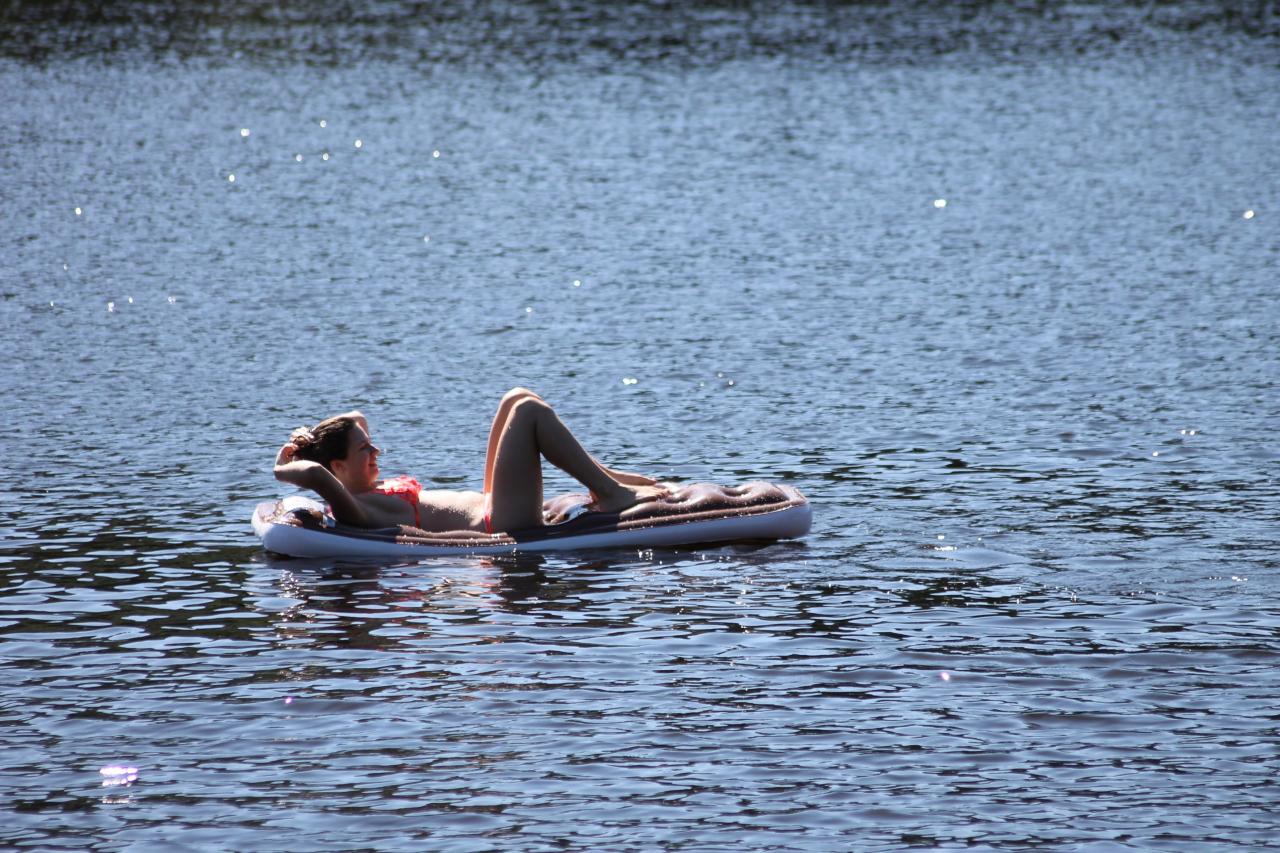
(324, 442)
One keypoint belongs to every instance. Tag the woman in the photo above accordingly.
(338, 460)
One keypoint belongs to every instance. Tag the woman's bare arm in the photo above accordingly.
(319, 479)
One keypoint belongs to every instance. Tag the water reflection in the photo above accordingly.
(379, 605)
(323, 603)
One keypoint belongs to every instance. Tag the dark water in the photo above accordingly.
(1039, 605)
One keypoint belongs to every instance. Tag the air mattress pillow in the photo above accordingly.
(700, 513)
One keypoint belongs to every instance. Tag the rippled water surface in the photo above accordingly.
(995, 287)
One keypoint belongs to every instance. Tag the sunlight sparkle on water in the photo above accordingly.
(118, 774)
(630, 380)
(1248, 214)
(244, 131)
(359, 143)
(939, 203)
(324, 123)
(945, 676)
(298, 157)
(78, 211)
(435, 154)
(231, 179)
(325, 156)
(577, 283)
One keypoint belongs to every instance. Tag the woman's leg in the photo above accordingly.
(499, 423)
(630, 479)
(531, 430)
(509, 399)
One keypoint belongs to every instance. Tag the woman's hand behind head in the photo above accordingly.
(302, 437)
(285, 456)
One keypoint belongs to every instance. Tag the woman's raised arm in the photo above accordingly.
(319, 479)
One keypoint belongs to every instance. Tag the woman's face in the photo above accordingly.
(359, 471)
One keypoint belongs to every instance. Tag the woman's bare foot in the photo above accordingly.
(626, 496)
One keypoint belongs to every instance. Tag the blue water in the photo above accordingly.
(995, 287)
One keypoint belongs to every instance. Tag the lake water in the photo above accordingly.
(995, 285)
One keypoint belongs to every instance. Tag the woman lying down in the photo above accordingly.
(338, 460)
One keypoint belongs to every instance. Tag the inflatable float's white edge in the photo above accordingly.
(787, 523)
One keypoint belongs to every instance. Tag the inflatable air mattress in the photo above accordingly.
(696, 514)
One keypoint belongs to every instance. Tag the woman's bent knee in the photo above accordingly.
(517, 394)
(528, 407)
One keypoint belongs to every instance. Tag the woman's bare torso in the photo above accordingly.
(443, 509)
(439, 509)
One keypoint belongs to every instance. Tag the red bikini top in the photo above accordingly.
(405, 488)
